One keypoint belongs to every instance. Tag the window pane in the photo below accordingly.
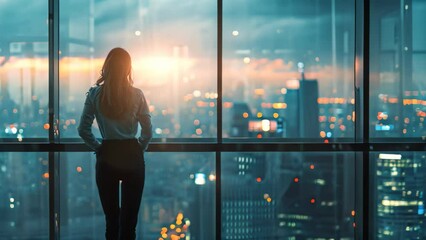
(397, 86)
(399, 195)
(288, 70)
(23, 70)
(173, 48)
(24, 199)
(175, 183)
(288, 195)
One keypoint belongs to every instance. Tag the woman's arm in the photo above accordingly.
(86, 121)
(144, 119)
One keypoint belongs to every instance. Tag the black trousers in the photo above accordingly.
(120, 160)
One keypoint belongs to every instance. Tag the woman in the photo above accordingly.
(118, 108)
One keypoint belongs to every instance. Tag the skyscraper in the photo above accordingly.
(400, 196)
(248, 204)
(317, 197)
(301, 115)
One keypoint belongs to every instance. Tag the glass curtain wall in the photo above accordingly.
(288, 79)
(398, 193)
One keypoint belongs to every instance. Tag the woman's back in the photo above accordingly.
(116, 104)
(126, 127)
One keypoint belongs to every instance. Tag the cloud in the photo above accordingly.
(275, 72)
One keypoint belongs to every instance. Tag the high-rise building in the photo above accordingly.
(315, 185)
(301, 115)
(239, 115)
(400, 199)
(248, 204)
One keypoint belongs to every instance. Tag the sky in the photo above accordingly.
(262, 40)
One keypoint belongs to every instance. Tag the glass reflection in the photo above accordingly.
(178, 196)
(288, 195)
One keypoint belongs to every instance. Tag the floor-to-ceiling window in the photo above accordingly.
(397, 113)
(24, 199)
(275, 119)
(288, 77)
(173, 48)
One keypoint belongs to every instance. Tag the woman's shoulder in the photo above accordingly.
(95, 87)
(93, 90)
(137, 91)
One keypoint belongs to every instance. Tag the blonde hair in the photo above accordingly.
(116, 84)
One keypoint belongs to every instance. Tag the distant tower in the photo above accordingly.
(302, 107)
(240, 115)
(308, 110)
(180, 53)
(240, 91)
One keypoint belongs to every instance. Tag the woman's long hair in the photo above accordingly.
(116, 84)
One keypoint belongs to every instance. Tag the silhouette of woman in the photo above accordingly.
(118, 108)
